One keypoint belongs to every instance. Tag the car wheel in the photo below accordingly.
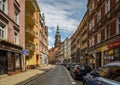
(84, 83)
(74, 77)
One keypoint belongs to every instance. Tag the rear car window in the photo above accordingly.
(103, 71)
(82, 67)
(115, 73)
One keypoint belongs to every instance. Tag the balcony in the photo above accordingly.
(29, 18)
(30, 5)
(30, 46)
(29, 33)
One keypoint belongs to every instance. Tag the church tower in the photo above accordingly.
(57, 38)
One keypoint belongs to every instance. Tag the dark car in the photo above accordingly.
(79, 71)
(108, 74)
(68, 66)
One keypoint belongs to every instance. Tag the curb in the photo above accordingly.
(35, 77)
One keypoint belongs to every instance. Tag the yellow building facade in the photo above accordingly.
(32, 25)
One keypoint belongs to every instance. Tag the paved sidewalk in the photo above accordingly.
(25, 77)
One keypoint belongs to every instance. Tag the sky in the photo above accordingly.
(65, 13)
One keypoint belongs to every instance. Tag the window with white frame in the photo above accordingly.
(107, 6)
(16, 37)
(92, 23)
(90, 43)
(3, 31)
(118, 25)
(99, 37)
(99, 16)
(16, 16)
(92, 5)
(17, 1)
(90, 10)
(117, 0)
(107, 32)
(93, 42)
(3, 6)
(90, 26)
(40, 35)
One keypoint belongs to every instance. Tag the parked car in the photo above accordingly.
(72, 66)
(79, 71)
(108, 74)
(68, 66)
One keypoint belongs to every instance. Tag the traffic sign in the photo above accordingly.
(25, 52)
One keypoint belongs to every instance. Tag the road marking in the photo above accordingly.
(71, 79)
(73, 82)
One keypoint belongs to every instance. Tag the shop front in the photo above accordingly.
(113, 52)
(10, 58)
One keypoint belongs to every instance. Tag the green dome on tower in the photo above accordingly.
(57, 31)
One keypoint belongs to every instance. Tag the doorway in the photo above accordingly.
(3, 62)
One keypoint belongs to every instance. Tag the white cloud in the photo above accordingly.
(51, 40)
(50, 46)
(61, 12)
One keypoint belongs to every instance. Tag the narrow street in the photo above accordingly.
(57, 76)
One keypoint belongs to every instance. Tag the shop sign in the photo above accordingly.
(5, 47)
(110, 52)
(114, 44)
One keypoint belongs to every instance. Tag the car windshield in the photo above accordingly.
(102, 72)
(115, 73)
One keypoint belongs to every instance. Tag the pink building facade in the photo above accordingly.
(12, 37)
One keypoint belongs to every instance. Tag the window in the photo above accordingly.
(3, 6)
(107, 6)
(90, 42)
(99, 16)
(40, 36)
(36, 46)
(90, 26)
(99, 37)
(16, 38)
(92, 4)
(90, 10)
(93, 43)
(17, 60)
(17, 1)
(107, 32)
(16, 16)
(117, 1)
(93, 23)
(118, 25)
(117, 54)
(3, 31)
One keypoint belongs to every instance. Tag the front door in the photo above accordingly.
(3, 63)
(98, 59)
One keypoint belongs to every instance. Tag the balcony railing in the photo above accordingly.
(29, 30)
(30, 46)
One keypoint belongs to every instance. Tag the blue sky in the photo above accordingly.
(66, 13)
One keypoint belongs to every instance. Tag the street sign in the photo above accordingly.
(25, 52)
